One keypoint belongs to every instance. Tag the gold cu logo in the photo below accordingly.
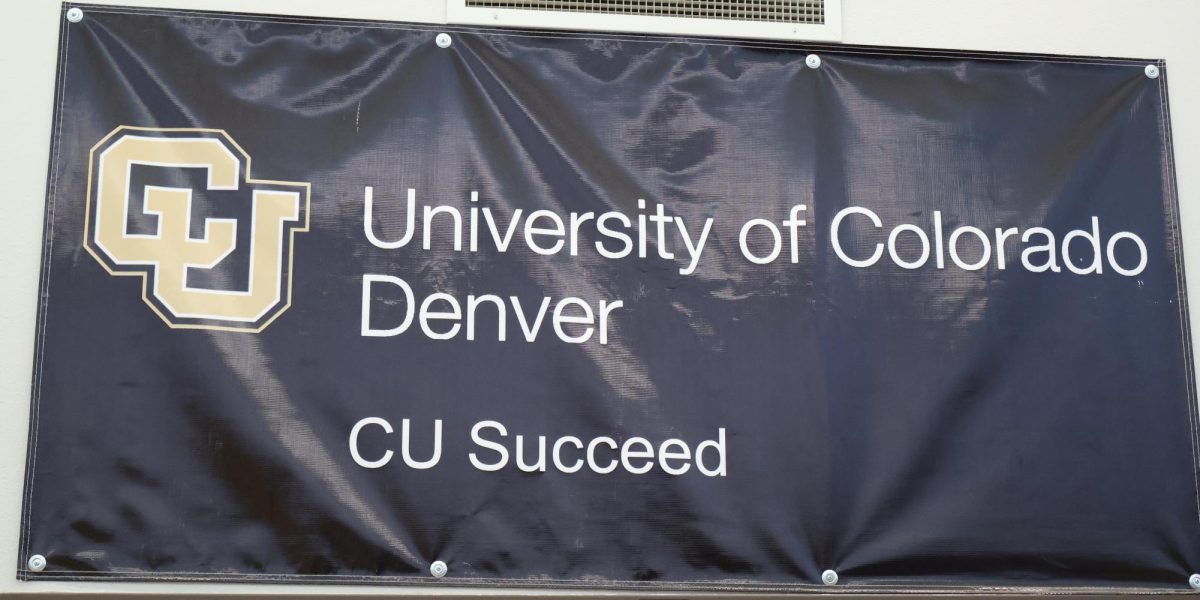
(245, 292)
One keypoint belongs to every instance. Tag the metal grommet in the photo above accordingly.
(438, 569)
(37, 563)
(442, 40)
(813, 61)
(74, 15)
(1194, 581)
(829, 577)
(1152, 71)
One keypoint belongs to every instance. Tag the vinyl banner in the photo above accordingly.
(341, 301)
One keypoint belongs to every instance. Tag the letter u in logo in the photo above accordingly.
(177, 207)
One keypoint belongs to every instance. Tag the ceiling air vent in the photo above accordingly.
(768, 19)
(786, 11)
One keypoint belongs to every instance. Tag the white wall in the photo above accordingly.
(1167, 29)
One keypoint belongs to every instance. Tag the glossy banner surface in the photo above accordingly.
(333, 301)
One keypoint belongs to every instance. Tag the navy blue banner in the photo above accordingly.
(342, 301)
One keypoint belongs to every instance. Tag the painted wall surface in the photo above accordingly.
(1151, 28)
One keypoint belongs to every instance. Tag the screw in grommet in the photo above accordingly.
(74, 15)
(438, 569)
(813, 61)
(37, 563)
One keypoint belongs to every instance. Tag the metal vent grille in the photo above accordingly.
(780, 11)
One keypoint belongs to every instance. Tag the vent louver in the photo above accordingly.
(816, 20)
(809, 12)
